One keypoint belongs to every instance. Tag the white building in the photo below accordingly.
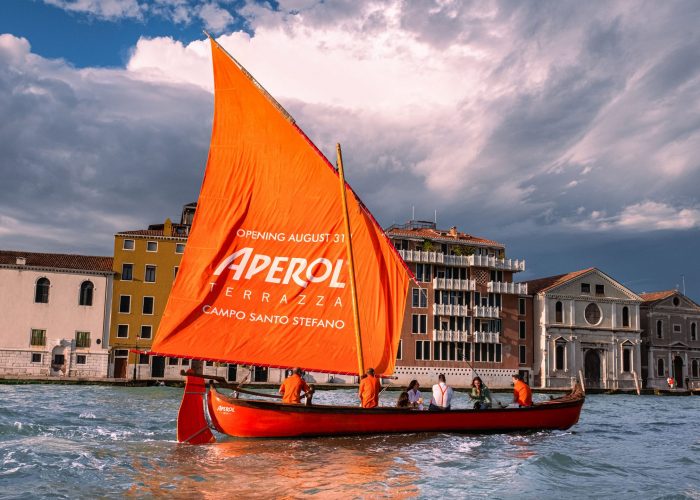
(55, 319)
(585, 321)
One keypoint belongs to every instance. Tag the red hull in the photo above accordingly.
(254, 418)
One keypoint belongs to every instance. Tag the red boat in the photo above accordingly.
(248, 418)
(268, 279)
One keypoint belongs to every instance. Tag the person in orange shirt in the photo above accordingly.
(293, 386)
(369, 390)
(522, 394)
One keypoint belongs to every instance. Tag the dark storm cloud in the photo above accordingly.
(92, 152)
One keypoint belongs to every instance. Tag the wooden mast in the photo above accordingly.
(351, 263)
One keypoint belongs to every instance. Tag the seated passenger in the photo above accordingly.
(403, 401)
(442, 395)
(480, 394)
(414, 395)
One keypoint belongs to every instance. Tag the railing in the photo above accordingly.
(451, 335)
(487, 337)
(454, 284)
(502, 287)
(450, 310)
(487, 312)
(493, 262)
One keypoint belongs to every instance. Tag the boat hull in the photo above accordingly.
(259, 419)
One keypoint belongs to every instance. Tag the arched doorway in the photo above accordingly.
(592, 368)
(678, 371)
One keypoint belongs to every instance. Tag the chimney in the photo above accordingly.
(21, 261)
(453, 231)
(168, 227)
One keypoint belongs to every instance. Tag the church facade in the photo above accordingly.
(585, 323)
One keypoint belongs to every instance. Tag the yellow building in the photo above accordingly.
(145, 265)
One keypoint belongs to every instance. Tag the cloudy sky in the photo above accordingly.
(569, 131)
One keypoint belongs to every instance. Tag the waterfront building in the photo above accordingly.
(671, 342)
(55, 318)
(586, 322)
(463, 310)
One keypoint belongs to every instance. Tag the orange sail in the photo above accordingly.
(264, 278)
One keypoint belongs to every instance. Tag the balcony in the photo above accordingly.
(494, 263)
(451, 335)
(502, 287)
(450, 310)
(434, 258)
(487, 337)
(454, 284)
(487, 312)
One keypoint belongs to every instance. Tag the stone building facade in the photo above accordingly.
(671, 341)
(55, 319)
(585, 322)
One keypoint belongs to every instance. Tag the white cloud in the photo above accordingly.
(645, 216)
(105, 9)
(215, 18)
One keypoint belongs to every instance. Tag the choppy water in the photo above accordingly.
(78, 441)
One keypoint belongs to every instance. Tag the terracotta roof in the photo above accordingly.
(545, 284)
(655, 296)
(444, 235)
(57, 260)
(156, 232)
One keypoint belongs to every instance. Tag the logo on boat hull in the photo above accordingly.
(226, 409)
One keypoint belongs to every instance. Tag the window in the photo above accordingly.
(625, 316)
(86, 289)
(521, 306)
(122, 331)
(82, 339)
(694, 369)
(560, 355)
(420, 323)
(125, 304)
(676, 328)
(143, 359)
(179, 248)
(148, 305)
(420, 297)
(41, 293)
(128, 245)
(487, 353)
(175, 270)
(210, 363)
(600, 289)
(592, 314)
(121, 353)
(585, 288)
(38, 337)
(627, 360)
(81, 359)
(36, 357)
(659, 329)
(152, 246)
(172, 361)
(522, 351)
(464, 351)
(146, 331)
(521, 330)
(423, 350)
(423, 273)
(444, 351)
(185, 362)
(693, 331)
(150, 275)
(399, 351)
(59, 359)
(676, 301)
(558, 313)
(127, 272)
(660, 371)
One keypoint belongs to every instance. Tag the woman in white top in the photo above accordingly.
(414, 395)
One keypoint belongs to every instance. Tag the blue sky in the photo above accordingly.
(566, 130)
